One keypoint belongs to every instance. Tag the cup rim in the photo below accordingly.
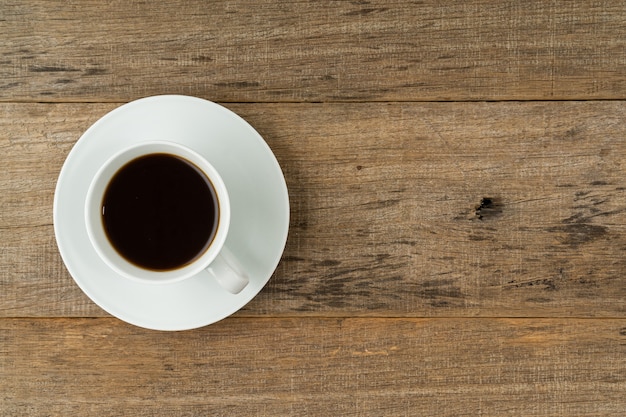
(97, 235)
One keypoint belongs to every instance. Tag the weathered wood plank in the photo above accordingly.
(378, 50)
(431, 209)
(317, 367)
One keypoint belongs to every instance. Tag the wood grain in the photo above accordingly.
(269, 51)
(457, 235)
(317, 367)
(414, 209)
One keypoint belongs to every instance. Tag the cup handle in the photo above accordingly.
(228, 272)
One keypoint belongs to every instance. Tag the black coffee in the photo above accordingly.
(160, 212)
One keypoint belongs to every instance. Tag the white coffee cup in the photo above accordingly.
(216, 259)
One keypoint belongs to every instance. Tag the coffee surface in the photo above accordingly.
(160, 212)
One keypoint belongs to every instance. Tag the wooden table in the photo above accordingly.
(457, 182)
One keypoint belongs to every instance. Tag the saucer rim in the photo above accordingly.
(189, 322)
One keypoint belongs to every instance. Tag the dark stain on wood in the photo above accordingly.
(51, 68)
(487, 208)
(454, 68)
(582, 217)
(380, 257)
(540, 300)
(202, 58)
(328, 262)
(574, 133)
(548, 284)
(413, 85)
(551, 283)
(95, 71)
(439, 294)
(446, 292)
(302, 224)
(579, 233)
(477, 237)
(366, 11)
(333, 285)
(337, 303)
(279, 92)
(291, 258)
(405, 242)
(437, 283)
(238, 84)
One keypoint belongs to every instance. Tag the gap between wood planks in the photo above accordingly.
(120, 102)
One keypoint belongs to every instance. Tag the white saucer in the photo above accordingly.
(259, 209)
